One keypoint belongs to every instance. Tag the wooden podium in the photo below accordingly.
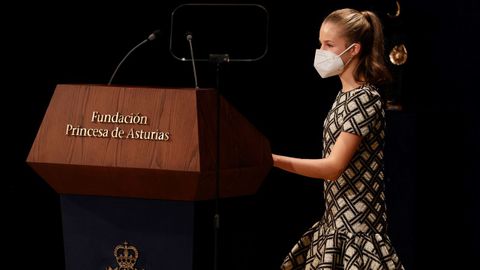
(130, 163)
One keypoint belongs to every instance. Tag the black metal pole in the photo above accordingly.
(218, 59)
(216, 219)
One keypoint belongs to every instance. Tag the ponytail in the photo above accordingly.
(364, 28)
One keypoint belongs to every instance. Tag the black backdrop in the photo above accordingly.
(432, 146)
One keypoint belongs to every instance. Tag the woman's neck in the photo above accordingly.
(349, 83)
(346, 77)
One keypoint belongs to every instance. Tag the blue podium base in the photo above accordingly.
(111, 233)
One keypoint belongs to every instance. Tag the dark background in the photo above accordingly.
(432, 146)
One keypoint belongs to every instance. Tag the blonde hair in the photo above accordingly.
(365, 28)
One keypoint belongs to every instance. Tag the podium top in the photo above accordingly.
(146, 142)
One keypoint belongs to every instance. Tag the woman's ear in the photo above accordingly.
(357, 47)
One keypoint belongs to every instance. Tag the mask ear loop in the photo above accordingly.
(348, 48)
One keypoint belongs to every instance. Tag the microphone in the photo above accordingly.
(151, 37)
(189, 39)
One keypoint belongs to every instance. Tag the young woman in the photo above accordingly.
(352, 232)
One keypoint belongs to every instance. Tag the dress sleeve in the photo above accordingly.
(362, 112)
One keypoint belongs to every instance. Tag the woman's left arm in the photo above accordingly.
(329, 168)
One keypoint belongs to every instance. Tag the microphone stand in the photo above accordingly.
(151, 37)
(218, 59)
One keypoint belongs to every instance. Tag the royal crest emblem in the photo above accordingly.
(126, 256)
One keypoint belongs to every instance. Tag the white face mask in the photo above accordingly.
(329, 64)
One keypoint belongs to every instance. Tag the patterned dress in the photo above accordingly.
(352, 232)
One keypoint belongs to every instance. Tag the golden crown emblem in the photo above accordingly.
(126, 256)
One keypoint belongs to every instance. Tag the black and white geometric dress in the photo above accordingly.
(352, 232)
